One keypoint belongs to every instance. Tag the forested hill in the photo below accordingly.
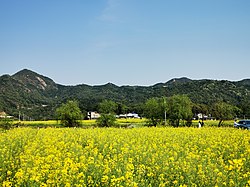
(36, 96)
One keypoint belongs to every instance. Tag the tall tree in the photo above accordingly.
(224, 111)
(244, 105)
(121, 108)
(69, 114)
(200, 108)
(107, 106)
(179, 107)
(153, 110)
(107, 109)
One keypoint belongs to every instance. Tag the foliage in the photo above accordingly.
(69, 114)
(200, 108)
(121, 109)
(224, 111)
(107, 109)
(154, 110)
(245, 107)
(6, 123)
(121, 157)
(179, 107)
(106, 120)
(36, 97)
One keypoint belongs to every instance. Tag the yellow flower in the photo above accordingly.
(7, 184)
(175, 182)
(134, 184)
(115, 157)
(105, 179)
(9, 173)
(80, 175)
(67, 184)
(43, 185)
(183, 185)
(219, 174)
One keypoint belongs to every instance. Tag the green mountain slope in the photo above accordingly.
(35, 96)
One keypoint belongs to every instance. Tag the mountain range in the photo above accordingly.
(34, 96)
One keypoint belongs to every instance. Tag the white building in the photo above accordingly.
(3, 115)
(93, 115)
(129, 115)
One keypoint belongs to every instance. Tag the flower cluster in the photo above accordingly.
(125, 157)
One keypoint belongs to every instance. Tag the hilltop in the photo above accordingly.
(37, 96)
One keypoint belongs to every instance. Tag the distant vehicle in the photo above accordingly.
(243, 124)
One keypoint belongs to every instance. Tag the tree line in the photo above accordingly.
(158, 111)
(23, 97)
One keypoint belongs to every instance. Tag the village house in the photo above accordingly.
(93, 115)
(3, 115)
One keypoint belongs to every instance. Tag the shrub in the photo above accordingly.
(69, 114)
(6, 123)
(106, 120)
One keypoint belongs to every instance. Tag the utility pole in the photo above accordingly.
(19, 115)
(165, 112)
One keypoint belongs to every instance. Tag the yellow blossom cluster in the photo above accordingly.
(125, 157)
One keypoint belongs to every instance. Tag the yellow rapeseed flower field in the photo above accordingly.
(84, 122)
(125, 157)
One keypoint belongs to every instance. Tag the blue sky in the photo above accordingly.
(126, 42)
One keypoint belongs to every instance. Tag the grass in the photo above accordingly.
(214, 123)
(85, 123)
(120, 122)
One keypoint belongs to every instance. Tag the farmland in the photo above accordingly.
(120, 122)
(125, 157)
(84, 123)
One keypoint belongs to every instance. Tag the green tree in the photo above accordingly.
(153, 110)
(6, 123)
(179, 107)
(121, 109)
(244, 105)
(107, 107)
(200, 108)
(107, 110)
(224, 111)
(69, 114)
(106, 120)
